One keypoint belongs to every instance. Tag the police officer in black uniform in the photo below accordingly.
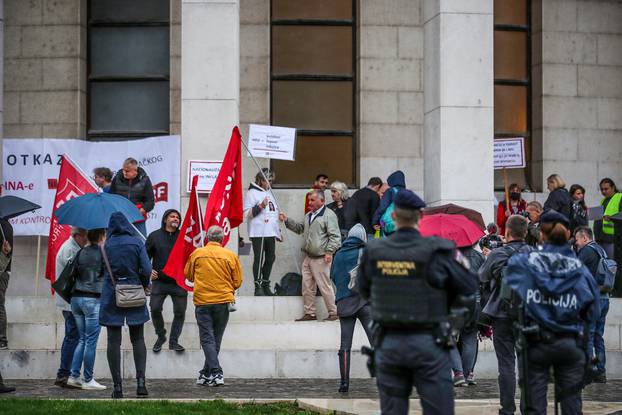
(559, 306)
(411, 282)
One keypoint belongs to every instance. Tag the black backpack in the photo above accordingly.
(291, 284)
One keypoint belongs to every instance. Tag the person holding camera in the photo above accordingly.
(504, 341)
(412, 281)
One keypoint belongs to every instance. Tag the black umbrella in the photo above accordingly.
(13, 206)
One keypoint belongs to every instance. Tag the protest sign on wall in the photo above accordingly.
(207, 170)
(30, 170)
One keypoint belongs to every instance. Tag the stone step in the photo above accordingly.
(43, 364)
(24, 309)
(238, 336)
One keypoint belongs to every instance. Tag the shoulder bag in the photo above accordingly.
(126, 295)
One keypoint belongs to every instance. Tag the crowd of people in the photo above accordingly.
(335, 241)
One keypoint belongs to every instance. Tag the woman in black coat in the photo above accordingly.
(559, 199)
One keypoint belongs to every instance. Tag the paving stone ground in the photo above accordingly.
(274, 389)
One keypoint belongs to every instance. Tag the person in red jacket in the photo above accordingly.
(517, 207)
(320, 183)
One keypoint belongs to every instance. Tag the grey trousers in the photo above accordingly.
(405, 360)
(212, 320)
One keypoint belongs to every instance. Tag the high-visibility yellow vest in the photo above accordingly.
(612, 209)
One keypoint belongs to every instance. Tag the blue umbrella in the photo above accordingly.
(93, 210)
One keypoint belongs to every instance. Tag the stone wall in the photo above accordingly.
(44, 58)
(578, 69)
(390, 86)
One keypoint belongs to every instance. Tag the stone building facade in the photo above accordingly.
(423, 99)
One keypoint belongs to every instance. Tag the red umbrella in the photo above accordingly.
(456, 228)
(452, 209)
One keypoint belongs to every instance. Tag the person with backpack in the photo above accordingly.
(558, 305)
(601, 267)
(504, 340)
(350, 305)
(383, 219)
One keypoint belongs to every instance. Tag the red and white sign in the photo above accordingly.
(31, 167)
(71, 183)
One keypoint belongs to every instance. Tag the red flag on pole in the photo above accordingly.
(224, 206)
(190, 237)
(72, 182)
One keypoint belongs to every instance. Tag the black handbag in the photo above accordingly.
(125, 295)
(67, 279)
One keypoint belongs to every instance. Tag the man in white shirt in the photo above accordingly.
(262, 212)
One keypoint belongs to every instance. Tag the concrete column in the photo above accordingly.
(458, 102)
(1, 70)
(210, 81)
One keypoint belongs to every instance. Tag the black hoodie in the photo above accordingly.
(159, 246)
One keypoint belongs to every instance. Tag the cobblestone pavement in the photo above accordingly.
(273, 389)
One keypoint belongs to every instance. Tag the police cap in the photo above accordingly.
(553, 217)
(407, 199)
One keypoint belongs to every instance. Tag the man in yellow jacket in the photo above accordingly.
(216, 274)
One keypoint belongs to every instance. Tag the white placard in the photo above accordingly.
(509, 153)
(272, 142)
(30, 170)
(207, 170)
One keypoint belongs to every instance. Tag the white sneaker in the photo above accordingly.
(93, 385)
(219, 380)
(75, 383)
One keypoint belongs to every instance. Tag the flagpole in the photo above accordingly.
(37, 265)
(273, 195)
(196, 195)
(77, 167)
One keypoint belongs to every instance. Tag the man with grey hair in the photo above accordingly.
(216, 274)
(133, 183)
(320, 230)
(65, 255)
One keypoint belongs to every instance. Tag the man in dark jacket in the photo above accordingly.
(502, 325)
(396, 182)
(363, 205)
(589, 252)
(133, 183)
(159, 246)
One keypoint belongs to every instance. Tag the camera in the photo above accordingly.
(491, 241)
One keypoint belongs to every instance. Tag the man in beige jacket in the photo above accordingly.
(320, 230)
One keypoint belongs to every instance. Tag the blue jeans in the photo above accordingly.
(597, 343)
(463, 355)
(86, 313)
(70, 341)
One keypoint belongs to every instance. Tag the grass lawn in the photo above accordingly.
(73, 407)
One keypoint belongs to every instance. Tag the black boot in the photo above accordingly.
(259, 292)
(5, 389)
(265, 286)
(117, 391)
(141, 388)
(344, 370)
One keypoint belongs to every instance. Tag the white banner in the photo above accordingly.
(509, 153)
(30, 170)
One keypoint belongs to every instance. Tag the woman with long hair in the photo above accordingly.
(559, 199)
(579, 208)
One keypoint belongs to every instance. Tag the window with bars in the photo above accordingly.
(128, 68)
(512, 74)
(313, 83)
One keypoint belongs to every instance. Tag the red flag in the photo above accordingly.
(71, 183)
(224, 206)
(188, 240)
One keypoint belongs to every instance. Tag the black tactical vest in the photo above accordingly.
(400, 294)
